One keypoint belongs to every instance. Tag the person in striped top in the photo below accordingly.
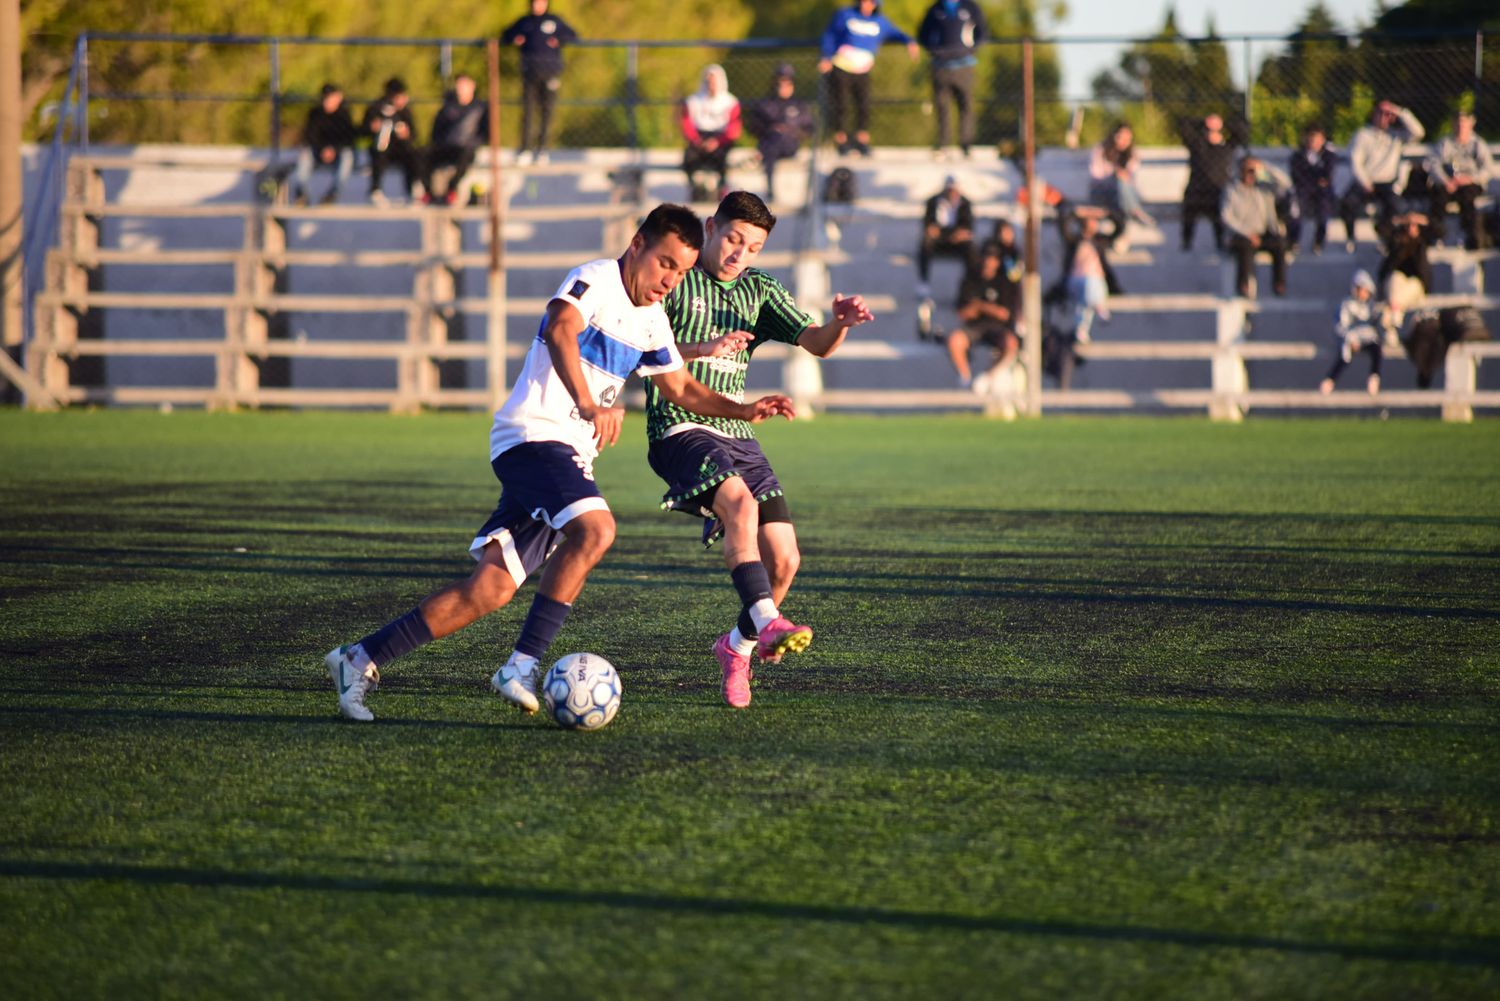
(714, 468)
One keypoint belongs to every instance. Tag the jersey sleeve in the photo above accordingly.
(580, 290)
(661, 355)
(780, 318)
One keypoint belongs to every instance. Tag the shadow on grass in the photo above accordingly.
(188, 716)
(1480, 951)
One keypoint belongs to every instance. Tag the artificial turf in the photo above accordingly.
(1095, 708)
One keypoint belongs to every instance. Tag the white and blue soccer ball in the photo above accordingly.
(582, 691)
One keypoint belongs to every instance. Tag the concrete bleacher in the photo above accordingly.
(394, 299)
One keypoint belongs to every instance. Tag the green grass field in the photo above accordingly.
(1096, 708)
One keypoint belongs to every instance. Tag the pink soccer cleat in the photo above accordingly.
(779, 637)
(736, 669)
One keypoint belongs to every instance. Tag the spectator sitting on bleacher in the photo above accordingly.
(1249, 214)
(710, 125)
(947, 231)
(1212, 151)
(1312, 181)
(989, 308)
(1405, 273)
(1459, 172)
(1356, 331)
(1113, 166)
(540, 35)
(458, 129)
(392, 134)
(782, 122)
(328, 139)
(1375, 162)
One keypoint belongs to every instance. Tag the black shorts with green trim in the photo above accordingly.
(694, 463)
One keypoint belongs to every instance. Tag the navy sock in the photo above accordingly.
(753, 583)
(543, 623)
(398, 638)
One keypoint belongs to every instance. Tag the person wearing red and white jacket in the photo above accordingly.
(710, 125)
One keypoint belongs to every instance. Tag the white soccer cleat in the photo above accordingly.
(517, 685)
(352, 683)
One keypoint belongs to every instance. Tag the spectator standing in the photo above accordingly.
(782, 122)
(1405, 272)
(1459, 172)
(1375, 162)
(989, 308)
(1356, 331)
(328, 141)
(1249, 214)
(1312, 185)
(952, 32)
(461, 124)
(1088, 280)
(392, 133)
(947, 231)
(540, 36)
(710, 125)
(1113, 166)
(853, 36)
(1212, 152)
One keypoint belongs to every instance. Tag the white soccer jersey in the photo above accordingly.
(618, 338)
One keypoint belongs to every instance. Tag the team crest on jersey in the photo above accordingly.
(578, 289)
(699, 306)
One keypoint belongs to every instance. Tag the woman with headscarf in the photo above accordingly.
(710, 124)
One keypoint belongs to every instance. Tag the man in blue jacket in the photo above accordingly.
(540, 36)
(849, 45)
(952, 32)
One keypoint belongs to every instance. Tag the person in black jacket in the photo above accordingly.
(952, 32)
(947, 231)
(1212, 154)
(461, 124)
(328, 139)
(392, 133)
(781, 123)
(540, 36)
(1312, 184)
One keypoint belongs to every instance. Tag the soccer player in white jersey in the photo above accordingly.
(605, 322)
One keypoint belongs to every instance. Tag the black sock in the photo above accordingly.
(398, 638)
(752, 583)
(543, 623)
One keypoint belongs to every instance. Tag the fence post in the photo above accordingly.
(1478, 70)
(1031, 281)
(275, 101)
(445, 62)
(1460, 382)
(632, 93)
(1249, 109)
(83, 92)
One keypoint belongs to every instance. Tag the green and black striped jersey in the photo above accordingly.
(702, 308)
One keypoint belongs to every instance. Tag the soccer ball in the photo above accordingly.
(582, 691)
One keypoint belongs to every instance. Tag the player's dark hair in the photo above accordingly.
(746, 207)
(676, 219)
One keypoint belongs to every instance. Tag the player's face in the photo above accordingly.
(651, 271)
(732, 248)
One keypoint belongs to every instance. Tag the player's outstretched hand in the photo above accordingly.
(731, 343)
(850, 311)
(770, 406)
(607, 421)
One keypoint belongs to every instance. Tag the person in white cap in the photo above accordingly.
(1358, 329)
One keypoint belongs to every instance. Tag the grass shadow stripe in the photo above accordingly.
(1483, 952)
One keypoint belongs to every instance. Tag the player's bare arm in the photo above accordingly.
(688, 393)
(848, 312)
(564, 324)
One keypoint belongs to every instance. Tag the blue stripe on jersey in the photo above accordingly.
(607, 354)
(657, 358)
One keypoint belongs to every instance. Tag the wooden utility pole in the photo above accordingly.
(495, 333)
(12, 284)
(1031, 282)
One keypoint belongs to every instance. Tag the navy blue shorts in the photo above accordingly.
(694, 463)
(544, 485)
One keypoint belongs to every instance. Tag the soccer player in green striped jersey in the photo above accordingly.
(714, 468)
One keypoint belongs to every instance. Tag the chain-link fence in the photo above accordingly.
(140, 88)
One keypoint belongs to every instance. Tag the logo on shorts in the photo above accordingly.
(585, 466)
(708, 468)
(578, 289)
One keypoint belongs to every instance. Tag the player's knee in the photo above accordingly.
(595, 535)
(785, 563)
(491, 587)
